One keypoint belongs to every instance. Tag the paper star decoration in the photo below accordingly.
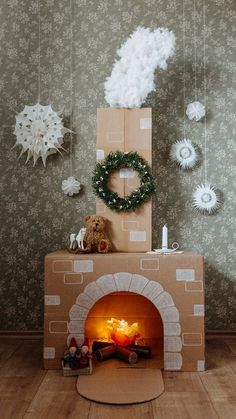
(195, 111)
(71, 186)
(206, 198)
(40, 131)
(185, 153)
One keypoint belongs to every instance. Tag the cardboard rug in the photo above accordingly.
(121, 385)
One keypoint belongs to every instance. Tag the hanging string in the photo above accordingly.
(39, 52)
(184, 70)
(39, 62)
(204, 78)
(195, 49)
(71, 85)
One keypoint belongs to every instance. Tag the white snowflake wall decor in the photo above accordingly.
(71, 186)
(195, 111)
(185, 153)
(132, 77)
(40, 131)
(206, 198)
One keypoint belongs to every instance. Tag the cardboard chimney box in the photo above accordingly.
(126, 130)
(173, 283)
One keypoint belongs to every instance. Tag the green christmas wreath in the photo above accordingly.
(118, 160)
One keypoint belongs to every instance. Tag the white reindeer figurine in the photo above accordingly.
(73, 242)
(80, 238)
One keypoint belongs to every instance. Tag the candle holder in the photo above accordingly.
(165, 250)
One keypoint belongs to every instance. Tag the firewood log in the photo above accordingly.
(106, 353)
(97, 344)
(141, 350)
(126, 355)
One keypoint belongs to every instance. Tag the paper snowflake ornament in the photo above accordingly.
(206, 198)
(195, 111)
(185, 153)
(71, 186)
(40, 131)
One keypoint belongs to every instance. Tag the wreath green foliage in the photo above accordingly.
(118, 160)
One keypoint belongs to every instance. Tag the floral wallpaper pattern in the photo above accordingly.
(36, 216)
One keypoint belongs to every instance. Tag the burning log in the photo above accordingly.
(106, 353)
(126, 355)
(97, 344)
(141, 350)
(123, 335)
(113, 351)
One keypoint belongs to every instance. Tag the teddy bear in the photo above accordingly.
(95, 239)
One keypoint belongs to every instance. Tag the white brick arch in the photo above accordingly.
(152, 290)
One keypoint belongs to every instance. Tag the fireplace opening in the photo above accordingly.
(135, 311)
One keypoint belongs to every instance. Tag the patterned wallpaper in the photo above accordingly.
(36, 217)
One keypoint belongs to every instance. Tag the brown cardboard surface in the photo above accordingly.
(191, 323)
(128, 232)
(190, 359)
(126, 130)
(114, 126)
(163, 280)
(110, 129)
(139, 138)
(161, 268)
(121, 385)
(55, 338)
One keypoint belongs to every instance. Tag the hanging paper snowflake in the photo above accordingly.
(206, 198)
(40, 131)
(195, 111)
(71, 186)
(185, 153)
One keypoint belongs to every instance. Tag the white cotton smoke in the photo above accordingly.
(132, 77)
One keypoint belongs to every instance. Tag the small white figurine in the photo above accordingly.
(73, 242)
(80, 237)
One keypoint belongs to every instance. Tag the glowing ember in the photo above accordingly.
(122, 333)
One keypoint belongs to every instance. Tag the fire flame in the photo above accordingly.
(122, 333)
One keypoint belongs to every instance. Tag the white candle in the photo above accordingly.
(165, 237)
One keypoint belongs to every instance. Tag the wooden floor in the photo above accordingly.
(29, 392)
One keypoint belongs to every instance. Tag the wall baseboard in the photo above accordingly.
(210, 334)
(38, 334)
(26, 334)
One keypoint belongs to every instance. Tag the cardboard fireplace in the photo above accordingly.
(163, 293)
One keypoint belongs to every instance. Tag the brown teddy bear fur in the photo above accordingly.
(96, 240)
